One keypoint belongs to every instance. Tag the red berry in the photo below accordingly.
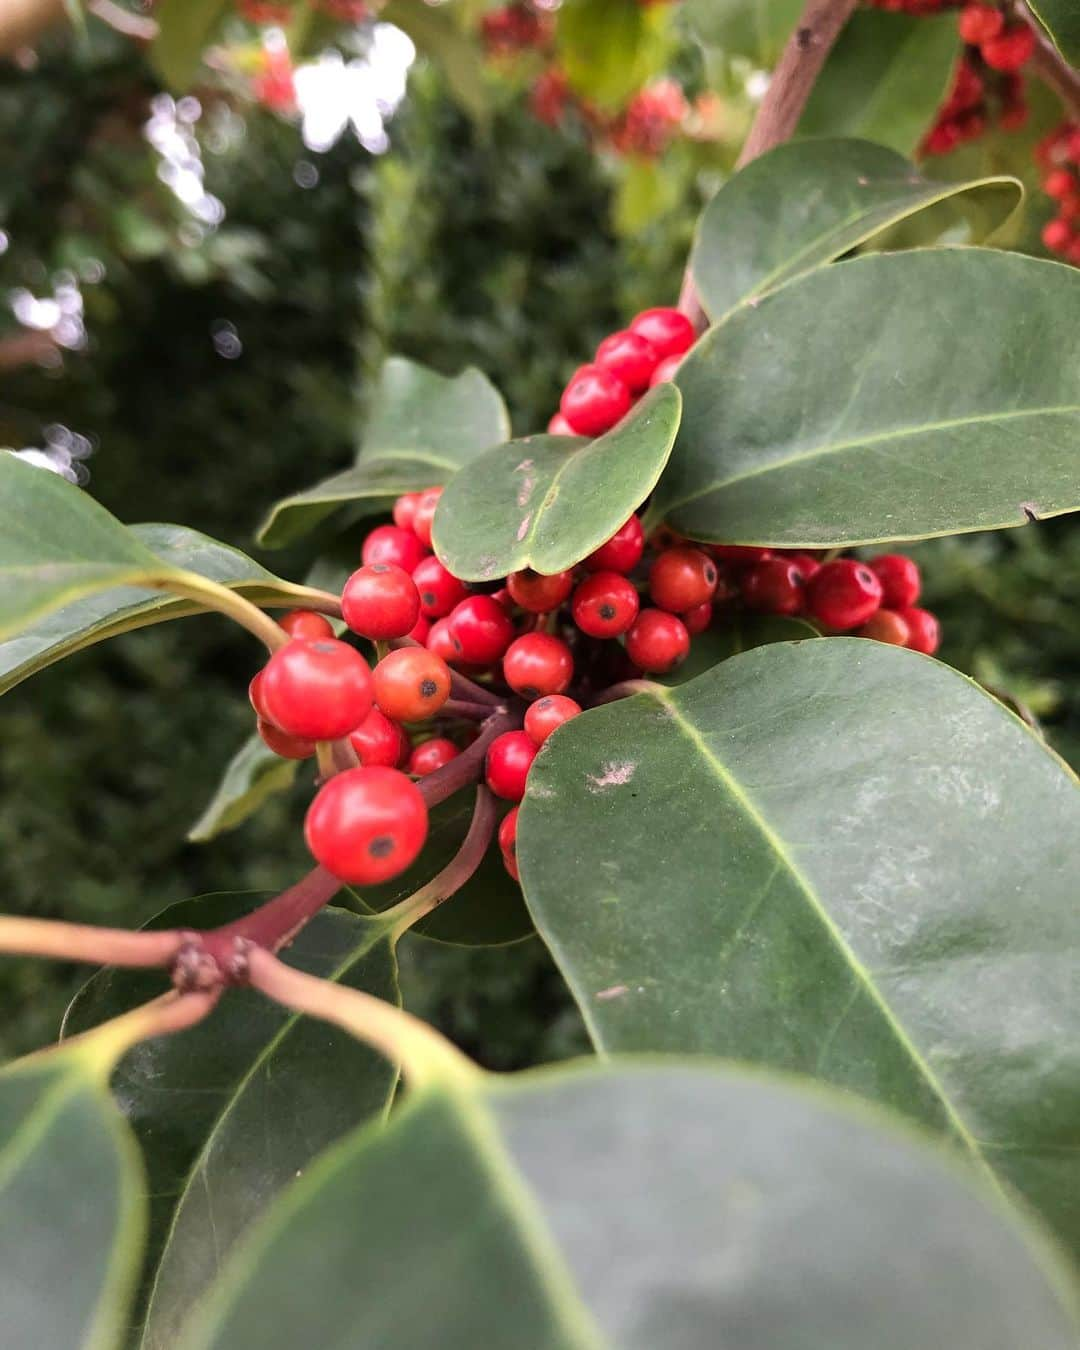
(405, 509)
(740, 553)
(537, 664)
(698, 617)
(508, 842)
(431, 755)
(622, 552)
(980, 23)
(539, 594)
(806, 563)
(665, 371)
(440, 641)
(288, 747)
(887, 626)
(559, 426)
(605, 605)
(543, 716)
(899, 577)
(392, 544)
(305, 623)
(316, 690)
(682, 578)
(844, 593)
(1061, 183)
(594, 400)
(1057, 235)
(1011, 49)
(775, 586)
(419, 631)
(439, 589)
(424, 514)
(379, 741)
(509, 759)
(366, 825)
(658, 641)
(255, 697)
(411, 684)
(629, 356)
(670, 331)
(481, 630)
(924, 632)
(380, 600)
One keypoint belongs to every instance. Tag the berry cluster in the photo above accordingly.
(281, 12)
(980, 97)
(514, 29)
(1058, 156)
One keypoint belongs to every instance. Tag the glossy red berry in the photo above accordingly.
(775, 586)
(405, 509)
(924, 632)
(539, 594)
(316, 690)
(844, 593)
(1057, 235)
(420, 631)
(681, 578)
(508, 842)
(506, 768)
(424, 514)
(392, 544)
(1011, 49)
(622, 552)
(480, 629)
(411, 684)
(658, 641)
(255, 697)
(543, 716)
(559, 426)
(887, 626)
(440, 641)
(380, 600)
(979, 23)
(670, 331)
(806, 563)
(698, 617)
(740, 554)
(1060, 184)
(605, 605)
(305, 623)
(536, 664)
(366, 825)
(288, 747)
(899, 577)
(665, 372)
(594, 401)
(439, 589)
(379, 741)
(630, 356)
(432, 755)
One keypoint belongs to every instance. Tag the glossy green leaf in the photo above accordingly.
(867, 872)
(644, 1207)
(608, 51)
(423, 427)
(754, 29)
(884, 79)
(108, 613)
(547, 501)
(185, 29)
(72, 1211)
(805, 204)
(252, 775)
(732, 634)
(234, 1109)
(1061, 19)
(845, 409)
(487, 911)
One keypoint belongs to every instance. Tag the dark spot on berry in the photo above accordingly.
(866, 577)
(325, 646)
(382, 846)
(710, 574)
(529, 691)
(455, 643)
(428, 688)
(428, 597)
(380, 567)
(544, 703)
(607, 611)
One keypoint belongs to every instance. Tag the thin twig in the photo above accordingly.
(461, 707)
(273, 925)
(625, 689)
(87, 942)
(467, 767)
(225, 601)
(456, 872)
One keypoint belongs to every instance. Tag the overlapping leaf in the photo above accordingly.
(1061, 19)
(252, 775)
(658, 1207)
(835, 857)
(888, 397)
(423, 427)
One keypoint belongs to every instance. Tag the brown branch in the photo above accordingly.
(457, 871)
(1051, 67)
(273, 925)
(779, 111)
(467, 767)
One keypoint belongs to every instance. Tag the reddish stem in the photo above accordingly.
(469, 765)
(273, 925)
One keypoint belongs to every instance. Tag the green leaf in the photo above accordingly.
(884, 79)
(754, 29)
(1061, 19)
(106, 614)
(805, 204)
(185, 29)
(547, 501)
(72, 1212)
(648, 1207)
(734, 634)
(889, 397)
(872, 879)
(252, 775)
(487, 911)
(232, 1110)
(608, 51)
(437, 35)
(423, 427)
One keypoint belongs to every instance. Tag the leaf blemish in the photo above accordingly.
(614, 774)
(616, 991)
(523, 528)
(527, 484)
